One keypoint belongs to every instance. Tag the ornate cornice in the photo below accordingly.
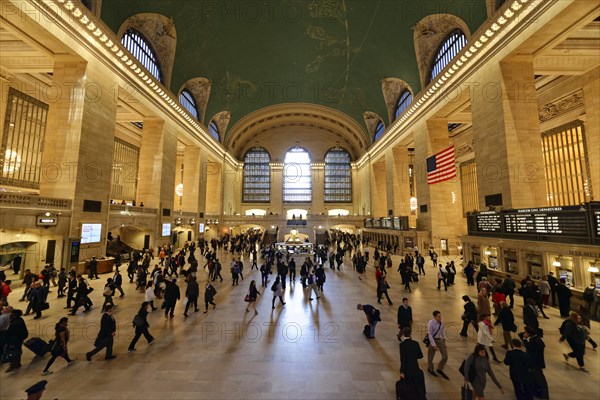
(561, 106)
(464, 149)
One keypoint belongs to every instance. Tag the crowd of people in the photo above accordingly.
(524, 350)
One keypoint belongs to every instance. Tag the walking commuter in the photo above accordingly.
(534, 346)
(405, 318)
(410, 353)
(441, 277)
(469, 316)
(563, 293)
(191, 292)
(382, 289)
(485, 334)
(278, 291)
(573, 333)
(519, 367)
(108, 329)
(172, 294)
(251, 297)
(479, 359)
(59, 346)
(507, 320)
(141, 325)
(437, 342)
(209, 295)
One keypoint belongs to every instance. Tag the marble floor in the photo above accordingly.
(305, 350)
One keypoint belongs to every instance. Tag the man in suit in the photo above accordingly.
(108, 328)
(530, 316)
(405, 318)
(93, 269)
(519, 364)
(535, 350)
(118, 282)
(410, 353)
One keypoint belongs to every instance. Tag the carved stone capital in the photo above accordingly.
(561, 106)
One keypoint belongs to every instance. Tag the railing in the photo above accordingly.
(184, 214)
(33, 201)
(127, 210)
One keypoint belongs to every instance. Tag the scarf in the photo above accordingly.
(488, 322)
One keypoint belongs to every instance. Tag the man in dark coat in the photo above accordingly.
(530, 316)
(28, 279)
(108, 328)
(553, 282)
(509, 289)
(469, 316)
(172, 294)
(410, 353)
(534, 346)
(405, 318)
(16, 264)
(564, 298)
(15, 336)
(519, 365)
(192, 292)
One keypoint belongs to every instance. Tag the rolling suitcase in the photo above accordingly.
(37, 345)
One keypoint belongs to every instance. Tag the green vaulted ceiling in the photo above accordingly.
(329, 52)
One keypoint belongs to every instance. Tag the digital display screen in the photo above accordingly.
(201, 228)
(166, 230)
(91, 233)
(489, 222)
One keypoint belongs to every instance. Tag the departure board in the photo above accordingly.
(596, 221)
(567, 221)
(489, 221)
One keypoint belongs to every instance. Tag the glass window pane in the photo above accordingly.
(257, 176)
(297, 181)
(138, 47)
(338, 176)
(448, 50)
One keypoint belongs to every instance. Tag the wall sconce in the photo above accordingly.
(488, 253)
(556, 262)
(593, 268)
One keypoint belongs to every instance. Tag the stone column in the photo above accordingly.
(591, 98)
(158, 169)
(379, 200)
(506, 136)
(79, 142)
(317, 171)
(276, 206)
(214, 183)
(397, 162)
(444, 210)
(192, 177)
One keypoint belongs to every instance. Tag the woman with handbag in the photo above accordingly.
(141, 325)
(479, 359)
(251, 297)
(59, 345)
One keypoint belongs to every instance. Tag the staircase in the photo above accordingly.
(115, 247)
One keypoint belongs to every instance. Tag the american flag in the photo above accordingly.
(440, 168)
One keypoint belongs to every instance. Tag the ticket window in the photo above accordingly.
(492, 257)
(596, 280)
(534, 265)
(564, 269)
(510, 262)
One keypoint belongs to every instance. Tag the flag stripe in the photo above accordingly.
(441, 167)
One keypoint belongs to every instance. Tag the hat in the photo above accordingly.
(174, 280)
(38, 387)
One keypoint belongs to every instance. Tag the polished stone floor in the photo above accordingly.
(305, 350)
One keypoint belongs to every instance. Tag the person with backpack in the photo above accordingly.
(278, 291)
(573, 333)
(141, 325)
(373, 317)
(480, 362)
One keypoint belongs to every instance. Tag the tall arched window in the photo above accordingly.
(139, 47)
(213, 129)
(379, 129)
(257, 176)
(338, 176)
(187, 100)
(450, 47)
(297, 184)
(403, 102)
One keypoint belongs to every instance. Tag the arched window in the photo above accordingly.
(450, 47)
(257, 176)
(338, 176)
(187, 100)
(297, 184)
(142, 51)
(403, 102)
(379, 129)
(214, 130)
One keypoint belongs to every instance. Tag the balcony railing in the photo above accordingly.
(33, 201)
(126, 210)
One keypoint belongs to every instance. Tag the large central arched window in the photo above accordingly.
(338, 176)
(297, 184)
(187, 100)
(257, 176)
(450, 47)
(403, 102)
(139, 47)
